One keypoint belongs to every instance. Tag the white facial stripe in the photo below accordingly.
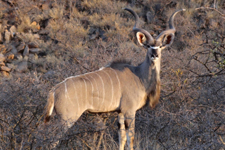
(154, 47)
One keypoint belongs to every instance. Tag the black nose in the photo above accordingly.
(154, 54)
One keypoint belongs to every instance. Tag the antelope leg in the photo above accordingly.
(62, 127)
(122, 132)
(130, 126)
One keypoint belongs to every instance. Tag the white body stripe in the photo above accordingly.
(117, 79)
(96, 86)
(71, 77)
(67, 94)
(103, 87)
(112, 87)
(103, 90)
(85, 88)
(76, 97)
(91, 89)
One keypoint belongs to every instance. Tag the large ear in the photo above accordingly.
(167, 40)
(142, 40)
(143, 36)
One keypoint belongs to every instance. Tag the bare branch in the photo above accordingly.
(210, 8)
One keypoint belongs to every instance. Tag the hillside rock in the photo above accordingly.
(5, 73)
(35, 50)
(26, 51)
(1, 38)
(14, 50)
(12, 31)
(7, 36)
(4, 68)
(3, 49)
(21, 47)
(32, 45)
(22, 66)
(2, 63)
(9, 57)
(19, 56)
(2, 57)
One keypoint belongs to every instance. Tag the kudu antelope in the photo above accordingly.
(117, 87)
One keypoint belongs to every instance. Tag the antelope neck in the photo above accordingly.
(147, 73)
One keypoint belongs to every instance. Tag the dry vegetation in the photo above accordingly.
(43, 42)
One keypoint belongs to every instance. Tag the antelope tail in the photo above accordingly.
(49, 106)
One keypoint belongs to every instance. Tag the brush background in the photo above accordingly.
(79, 36)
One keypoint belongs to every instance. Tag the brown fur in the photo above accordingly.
(154, 96)
(47, 118)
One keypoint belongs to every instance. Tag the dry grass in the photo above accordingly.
(76, 37)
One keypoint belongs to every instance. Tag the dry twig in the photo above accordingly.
(210, 8)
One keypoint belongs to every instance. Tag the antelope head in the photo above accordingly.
(163, 40)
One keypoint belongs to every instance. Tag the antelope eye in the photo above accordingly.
(147, 46)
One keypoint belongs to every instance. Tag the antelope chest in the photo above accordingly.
(143, 101)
